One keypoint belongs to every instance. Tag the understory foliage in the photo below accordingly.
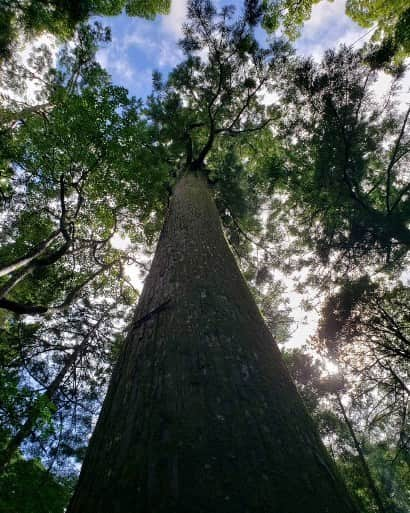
(314, 185)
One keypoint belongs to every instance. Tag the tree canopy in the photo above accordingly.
(355, 155)
(60, 17)
(389, 22)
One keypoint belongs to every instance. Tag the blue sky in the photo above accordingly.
(140, 46)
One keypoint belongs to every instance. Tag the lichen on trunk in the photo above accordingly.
(201, 415)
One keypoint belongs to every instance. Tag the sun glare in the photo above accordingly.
(120, 242)
(330, 367)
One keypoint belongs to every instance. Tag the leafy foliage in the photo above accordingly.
(65, 159)
(370, 335)
(289, 13)
(66, 165)
(27, 487)
(390, 20)
(61, 17)
(210, 109)
(392, 24)
(346, 170)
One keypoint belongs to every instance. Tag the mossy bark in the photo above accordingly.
(201, 415)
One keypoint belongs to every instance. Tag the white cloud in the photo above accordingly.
(328, 27)
(139, 49)
(172, 23)
(119, 242)
(123, 68)
(133, 273)
(305, 324)
(323, 16)
(118, 63)
(381, 89)
(161, 51)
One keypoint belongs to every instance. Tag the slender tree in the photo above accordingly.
(201, 414)
(357, 427)
(370, 481)
(33, 415)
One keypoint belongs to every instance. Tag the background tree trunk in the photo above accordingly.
(365, 467)
(201, 415)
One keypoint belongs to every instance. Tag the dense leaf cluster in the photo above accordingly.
(347, 164)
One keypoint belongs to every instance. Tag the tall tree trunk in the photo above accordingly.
(201, 415)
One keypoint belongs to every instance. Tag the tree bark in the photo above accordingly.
(201, 415)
